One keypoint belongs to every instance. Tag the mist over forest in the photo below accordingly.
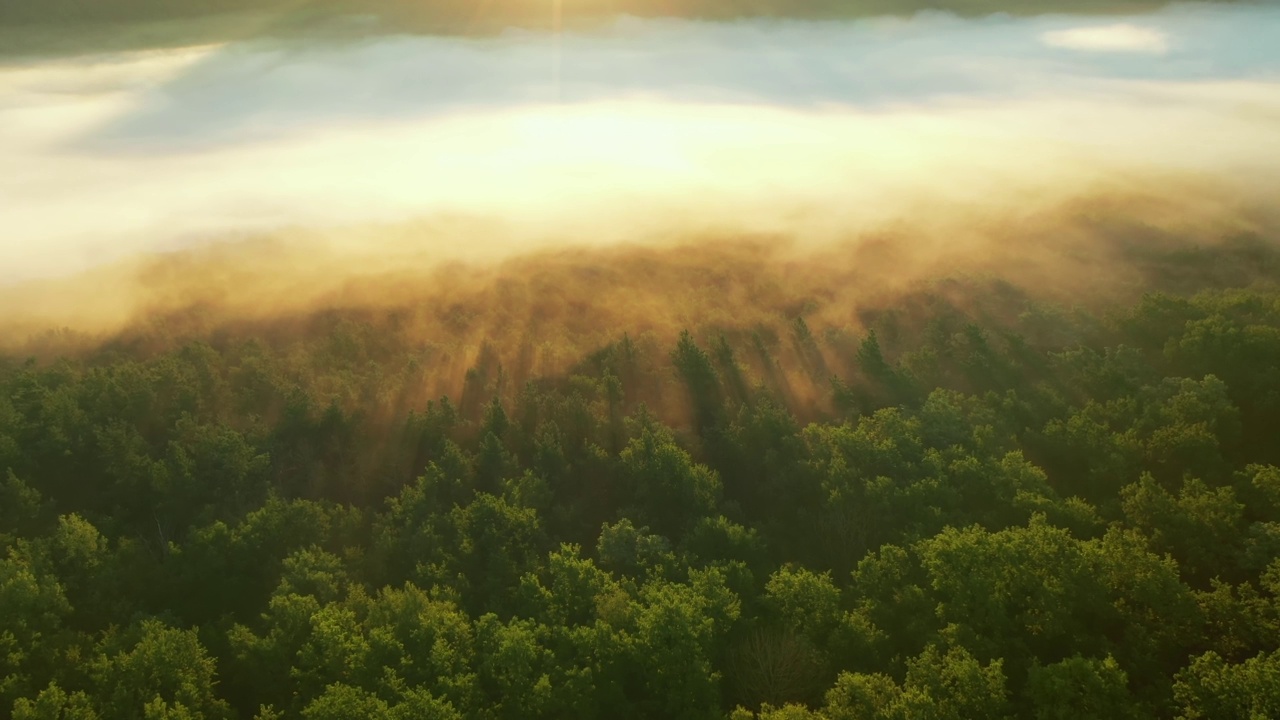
(636, 359)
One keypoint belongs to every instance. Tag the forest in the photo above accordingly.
(466, 16)
(964, 499)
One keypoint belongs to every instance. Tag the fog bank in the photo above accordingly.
(405, 152)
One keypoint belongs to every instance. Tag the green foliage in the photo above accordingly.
(35, 608)
(946, 686)
(54, 703)
(1079, 687)
(1057, 515)
(1082, 688)
(670, 492)
(163, 673)
(1212, 688)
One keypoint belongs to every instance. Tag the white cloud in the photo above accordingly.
(667, 123)
(1121, 37)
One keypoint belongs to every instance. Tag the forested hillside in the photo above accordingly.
(975, 504)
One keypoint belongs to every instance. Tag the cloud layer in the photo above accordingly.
(1122, 37)
(644, 129)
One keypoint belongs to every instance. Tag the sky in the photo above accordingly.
(633, 130)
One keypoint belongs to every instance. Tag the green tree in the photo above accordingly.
(1080, 687)
(1212, 688)
(670, 491)
(156, 662)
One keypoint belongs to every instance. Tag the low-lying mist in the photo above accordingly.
(532, 197)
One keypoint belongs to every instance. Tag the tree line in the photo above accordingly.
(466, 16)
(1053, 512)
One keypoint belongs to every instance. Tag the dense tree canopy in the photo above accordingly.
(1045, 512)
